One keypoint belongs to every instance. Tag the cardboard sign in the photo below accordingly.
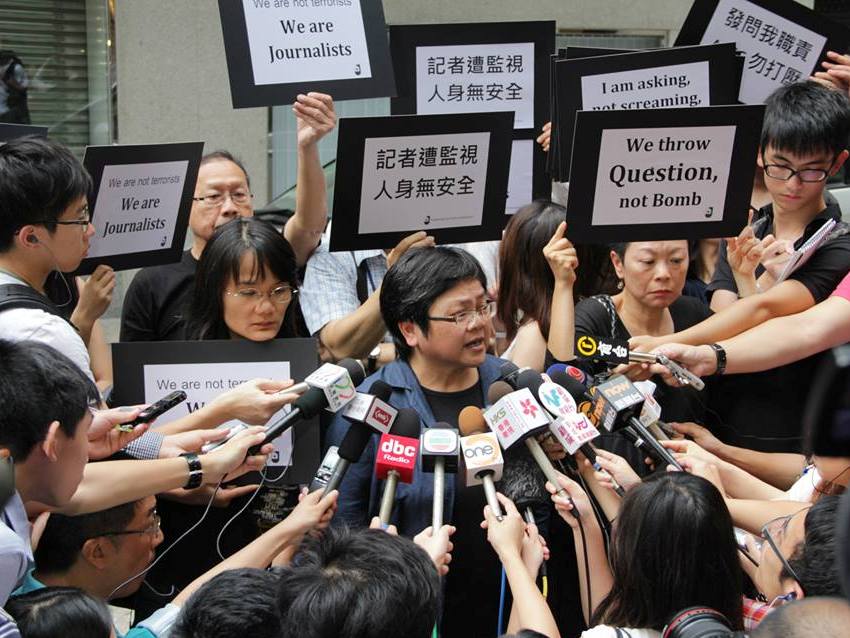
(656, 79)
(277, 49)
(205, 369)
(140, 203)
(782, 40)
(658, 174)
(13, 131)
(446, 174)
(481, 67)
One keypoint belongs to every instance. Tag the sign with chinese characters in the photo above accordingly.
(445, 174)
(481, 67)
(140, 202)
(783, 41)
(602, 349)
(205, 369)
(663, 173)
(276, 48)
(658, 79)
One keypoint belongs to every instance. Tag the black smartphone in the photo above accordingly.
(155, 409)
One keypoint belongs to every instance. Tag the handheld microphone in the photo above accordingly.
(359, 433)
(650, 413)
(438, 450)
(396, 458)
(326, 469)
(331, 387)
(482, 455)
(576, 373)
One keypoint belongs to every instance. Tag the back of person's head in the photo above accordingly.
(39, 179)
(60, 611)
(823, 617)
(239, 602)
(220, 266)
(815, 560)
(673, 547)
(39, 385)
(525, 278)
(63, 537)
(526, 633)
(416, 280)
(359, 584)
(806, 118)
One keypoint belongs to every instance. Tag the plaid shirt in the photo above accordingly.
(754, 613)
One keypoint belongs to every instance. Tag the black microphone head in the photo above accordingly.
(522, 479)
(576, 389)
(355, 441)
(382, 390)
(497, 390)
(311, 403)
(407, 423)
(355, 370)
(507, 369)
(529, 379)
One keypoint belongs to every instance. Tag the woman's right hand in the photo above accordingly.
(562, 256)
(231, 459)
(700, 436)
(615, 467)
(577, 504)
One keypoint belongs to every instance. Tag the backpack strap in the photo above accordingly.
(22, 296)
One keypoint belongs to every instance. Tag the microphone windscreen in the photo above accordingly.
(507, 368)
(556, 367)
(522, 479)
(578, 374)
(354, 442)
(497, 390)
(311, 402)
(355, 370)
(471, 420)
(529, 379)
(577, 390)
(382, 390)
(406, 423)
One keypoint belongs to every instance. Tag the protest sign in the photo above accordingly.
(12, 131)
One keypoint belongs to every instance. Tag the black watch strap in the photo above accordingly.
(720, 353)
(196, 474)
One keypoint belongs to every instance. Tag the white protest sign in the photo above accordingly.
(521, 177)
(435, 181)
(655, 88)
(778, 51)
(474, 78)
(304, 41)
(202, 382)
(662, 175)
(137, 207)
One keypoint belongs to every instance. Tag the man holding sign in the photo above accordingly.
(155, 305)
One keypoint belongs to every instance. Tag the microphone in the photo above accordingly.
(331, 387)
(326, 469)
(576, 373)
(518, 416)
(438, 452)
(396, 458)
(359, 433)
(650, 413)
(482, 455)
(617, 401)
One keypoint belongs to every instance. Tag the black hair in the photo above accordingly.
(360, 583)
(620, 248)
(221, 155)
(39, 180)
(39, 385)
(820, 617)
(526, 633)
(220, 264)
(806, 118)
(673, 548)
(416, 280)
(815, 559)
(60, 611)
(238, 602)
(64, 536)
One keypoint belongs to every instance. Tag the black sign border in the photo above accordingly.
(10, 131)
(245, 93)
(353, 133)
(302, 354)
(589, 126)
(98, 157)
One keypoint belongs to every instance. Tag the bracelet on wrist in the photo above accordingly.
(720, 353)
(196, 473)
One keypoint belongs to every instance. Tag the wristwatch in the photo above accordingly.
(720, 353)
(196, 473)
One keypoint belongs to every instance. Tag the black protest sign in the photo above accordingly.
(146, 372)
(655, 174)
(477, 68)
(602, 349)
(445, 174)
(13, 131)
(277, 49)
(659, 78)
(782, 40)
(140, 203)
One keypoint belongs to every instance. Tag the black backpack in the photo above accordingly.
(22, 296)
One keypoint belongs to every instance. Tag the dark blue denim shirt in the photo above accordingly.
(360, 491)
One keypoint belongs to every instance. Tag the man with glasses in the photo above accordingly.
(155, 304)
(796, 557)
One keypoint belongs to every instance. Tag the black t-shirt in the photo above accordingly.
(157, 301)
(593, 317)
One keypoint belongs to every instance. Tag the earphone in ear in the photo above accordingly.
(32, 239)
